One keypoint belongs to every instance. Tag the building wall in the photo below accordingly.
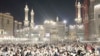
(49, 29)
(94, 18)
(61, 29)
(15, 28)
(57, 30)
(6, 23)
(97, 18)
(91, 18)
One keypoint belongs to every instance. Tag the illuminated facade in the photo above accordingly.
(94, 18)
(17, 26)
(72, 32)
(56, 29)
(6, 24)
(49, 29)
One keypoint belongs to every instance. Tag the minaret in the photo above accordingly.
(57, 19)
(79, 27)
(32, 19)
(26, 21)
(78, 18)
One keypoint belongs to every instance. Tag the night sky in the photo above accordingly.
(44, 9)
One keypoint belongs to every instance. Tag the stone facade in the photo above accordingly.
(94, 16)
(6, 24)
